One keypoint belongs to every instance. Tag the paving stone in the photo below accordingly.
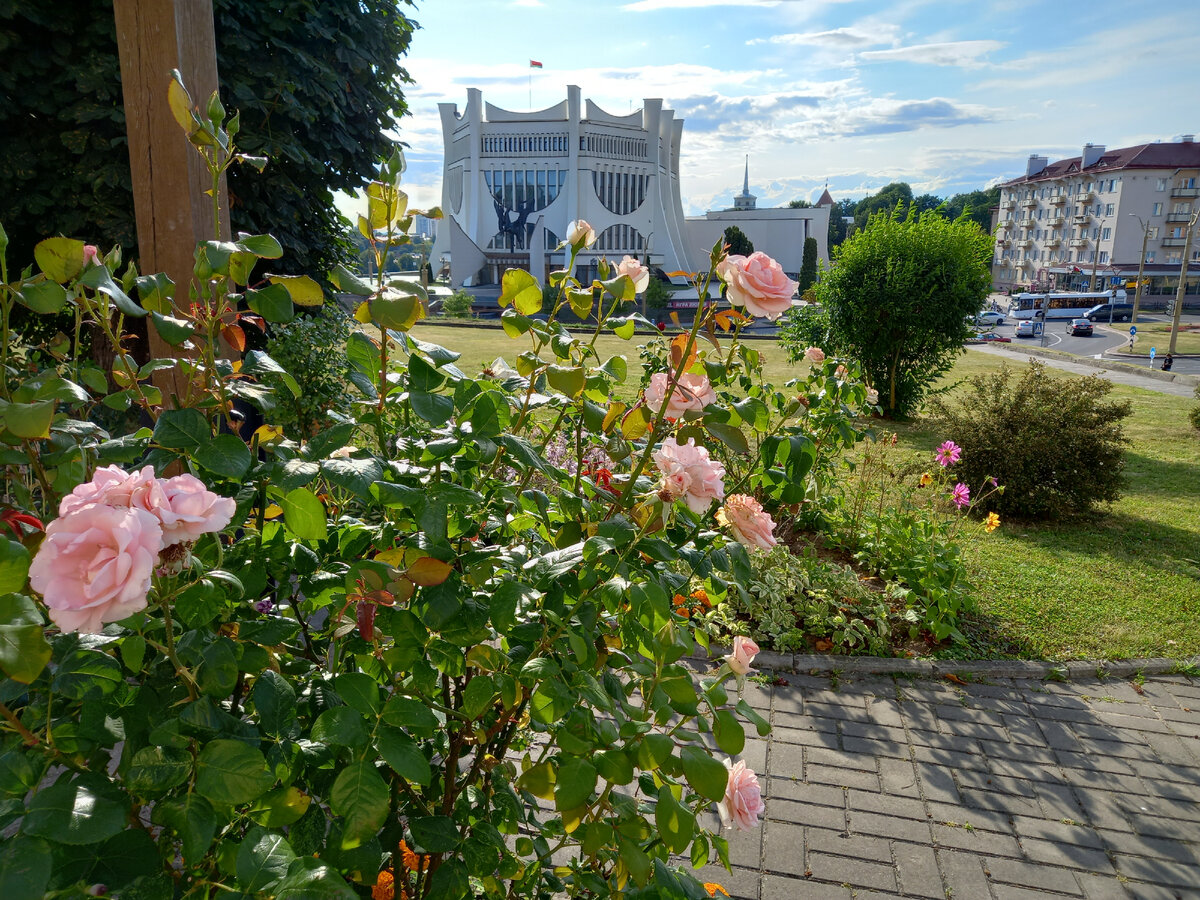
(888, 826)
(856, 711)
(1180, 848)
(917, 869)
(1102, 887)
(952, 760)
(786, 760)
(1103, 809)
(783, 848)
(975, 841)
(795, 789)
(1174, 750)
(1059, 802)
(1059, 736)
(1026, 874)
(866, 746)
(841, 843)
(1133, 753)
(810, 737)
(851, 778)
(886, 804)
(754, 754)
(1158, 871)
(1006, 803)
(1093, 761)
(741, 883)
(1042, 756)
(1041, 829)
(967, 714)
(1132, 723)
(850, 871)
(1030, 771)
(801, 813)
(1024, 730)
(963, 875)
(977, 730)
(937, 784)
(746, 847)
(978, 819)
(776, 887)
(839, 758)
(988, 782)
(1070, 856)
(898, 777)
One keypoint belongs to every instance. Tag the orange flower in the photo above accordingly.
(679, 600)
(411, 860)
(385, 887)
(713, 887)
(702, 597)
(992, 523)
(926, 480)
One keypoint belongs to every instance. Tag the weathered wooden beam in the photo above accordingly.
(171, 206)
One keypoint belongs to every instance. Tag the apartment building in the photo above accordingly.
(1080, 223)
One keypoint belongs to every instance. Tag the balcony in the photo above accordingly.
(1078, 242)
(1056, 221)
(1008, 204)
(1057, 200)
(1052, 243)
(1179, 217)
(1173, 242)
(1185, 192)
(1085, 196)
(1081, 220)
(1029, 202)
(1024, 244)
(1002, 242)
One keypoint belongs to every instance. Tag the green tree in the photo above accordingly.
(899, 297)
(838, 213)
(738, 243)
(885, 201)
(976, 205)
(318, 86)
(808, 268)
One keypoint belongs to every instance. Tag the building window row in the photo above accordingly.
(620, 239)
(525, 189)
(613, 146)
(524, 143)
(521, 239)
(620, 192)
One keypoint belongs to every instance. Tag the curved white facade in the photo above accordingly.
(512, 182)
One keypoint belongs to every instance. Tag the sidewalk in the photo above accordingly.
(1094, 367)
(886, 787)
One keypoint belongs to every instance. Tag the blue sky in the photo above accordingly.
(949, 95)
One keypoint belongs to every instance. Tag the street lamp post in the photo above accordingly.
(1183, 272)
(1137, 297)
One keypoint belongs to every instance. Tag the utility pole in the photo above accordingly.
(1137, 297)
(1183, 272)
(1096, 257)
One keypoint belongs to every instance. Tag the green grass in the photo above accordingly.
(1115, 584)
(1158, 335)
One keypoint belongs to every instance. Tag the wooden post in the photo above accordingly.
(171, 207)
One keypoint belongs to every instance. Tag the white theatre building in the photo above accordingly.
(512, 182)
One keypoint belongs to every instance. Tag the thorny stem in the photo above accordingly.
(28, 736)
(180, 668)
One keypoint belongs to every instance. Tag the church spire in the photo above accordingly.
(746, 183)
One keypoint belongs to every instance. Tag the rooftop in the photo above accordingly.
(1179, 155)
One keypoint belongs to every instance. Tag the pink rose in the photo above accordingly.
(743, 798)
(91, 255)
(872, 397)
(841, 372)
(113, 486)
(95, 565)
(757, 282)
(814, 355)
(706, 477)
(744, 651)
(638, 274)
(190, 510)
(692, 392)
(745, 518)
(580, 234)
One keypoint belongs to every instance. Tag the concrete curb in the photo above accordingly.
(1041, 670)
(1105, 364)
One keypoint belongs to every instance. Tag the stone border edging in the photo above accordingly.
(802, 663)
(1105, 364)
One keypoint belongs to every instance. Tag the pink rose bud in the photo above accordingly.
(814, 355)
(744, 651)
(757, 282)
(91, 255)
(692, 392)
(580, 234)
(744, 516)
(95, 565)
(706, 477)
(742, 804)
(638, 274)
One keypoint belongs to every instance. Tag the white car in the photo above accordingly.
(1027, 328)
(990, 319)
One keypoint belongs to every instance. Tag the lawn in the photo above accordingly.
(1113, 585)
(1158, 336)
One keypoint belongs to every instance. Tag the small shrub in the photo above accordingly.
(1194, 413)
(1055, 443)
(658, 297)
(311, 348)
(458, 305)
(803, 327)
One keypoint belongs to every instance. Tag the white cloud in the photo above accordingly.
(965, 54)
(851, 36)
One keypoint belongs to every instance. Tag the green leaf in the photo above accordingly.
(25, 866)
(478, 695)
(155, 292)
(86, 811)
(60, 258)
(360, 796)
(14, 569)
(42, 296)
(614, 766)
(231, 772)
(349, 283)
(410, 714)
(263, 861)
(264, 246)
(434, 834)
(84, 670)
(575, 782)
(730, 436)
(30, 421)
(182, 429)
(730, 735)
(450, 882)
(273, 303)
(24, 650)
(708, 776)
(396, 311)
(302, 289)
(226, 454)
(99, 279)
(173, 330)
(422, 376)
(521, 291)
(654, 750)
(124, 857)
(676, 823)
(217, 673)
(623, 328)
(304, 515)
(404, 756)
(436, 409)
(155, 770)
(340, 726)
(309, 878)
(275, 700)
(360, 692)
(280, 807)
(193, 819)
(569, 380)
(489, 415)
(616, 368)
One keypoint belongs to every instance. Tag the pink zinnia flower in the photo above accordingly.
(705, 477)
(948, 454)
(961, 495)
(743, 803)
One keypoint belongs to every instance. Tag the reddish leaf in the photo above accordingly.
(950, 676)
(678, 345)
(235, 337)
(366, 620)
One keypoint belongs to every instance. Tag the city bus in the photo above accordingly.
(1062, 305)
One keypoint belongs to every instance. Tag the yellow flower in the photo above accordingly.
(384, 887)
(926, 480)
(992, 523)
(713, 887)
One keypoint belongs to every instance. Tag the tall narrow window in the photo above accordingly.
(541, 188)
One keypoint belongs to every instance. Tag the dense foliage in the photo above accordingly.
(737, 242)
(312, 349)
(318, 86)
(1194, 412)
(899, 296)
(808, 268)
(1055, 442)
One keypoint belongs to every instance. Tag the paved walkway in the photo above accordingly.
(1095, 368)
(887, 787)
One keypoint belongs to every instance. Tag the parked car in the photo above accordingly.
(1105, 312)
(990, 319)
(1079, 326)
(1029, 328)
(990, 337)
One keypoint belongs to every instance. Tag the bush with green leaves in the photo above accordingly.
(313, 347)
(803, 327)
(899, 296)
(458, 305)
(1194, 412)
(808, 267)
(1055, 442)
